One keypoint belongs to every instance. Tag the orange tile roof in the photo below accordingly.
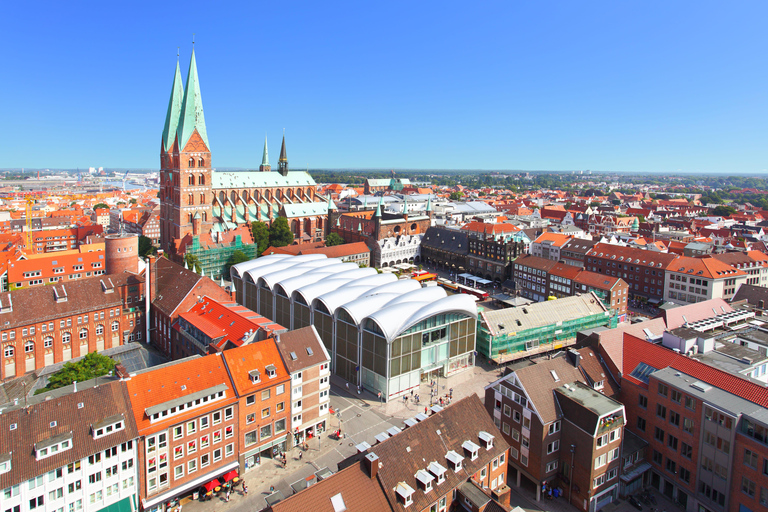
(704, 267)
(163, 384)
(495, 229)
(557, 239)
(255, 356)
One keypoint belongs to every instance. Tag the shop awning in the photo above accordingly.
(211, 485)
(636, 472)
(230, 476)
(124, 505)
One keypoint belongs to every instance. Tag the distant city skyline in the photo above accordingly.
(620, 87)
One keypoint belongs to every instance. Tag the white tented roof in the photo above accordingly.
(275, 277)
(295, 282)
(255, 273)
(239, 269)
(311, 291)
(394, 319)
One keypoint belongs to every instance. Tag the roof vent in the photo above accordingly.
(13, 426)
(80, 405)
(309, 351)
(53, 424)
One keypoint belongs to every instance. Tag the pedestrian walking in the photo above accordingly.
(411, 393)
(245, 489)
(227, 494)
(301, 454)
(450, 393)
(425, 409)
(347, 386)
(417, 398)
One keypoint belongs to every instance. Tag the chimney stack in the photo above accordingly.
(574, 356)
(372, 463)
(121, 371)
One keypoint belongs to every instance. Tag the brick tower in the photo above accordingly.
(185, 164)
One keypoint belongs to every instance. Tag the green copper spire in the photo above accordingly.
(192, 109)
(174, 109)
(377, 213)
(265, 158)
(331, 205)
(429, 204)
(405, 205)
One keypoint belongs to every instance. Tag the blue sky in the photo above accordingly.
(651, 86)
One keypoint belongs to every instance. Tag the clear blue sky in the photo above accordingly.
(658, 86)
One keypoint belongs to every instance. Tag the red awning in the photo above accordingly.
(229, 476)
(210, 485)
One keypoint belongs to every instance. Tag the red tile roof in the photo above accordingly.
(490, 229)
(255, 356)
(638, 351)
(704, 267)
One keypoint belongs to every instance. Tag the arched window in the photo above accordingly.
(222, 197)
(201, 179)
(29, 347)
(191, 199)
(83, 334)
(48, 342)
(191, 162)
(99, 329)
(66, 337)
(115, 326)
(200, 162)
(8, 351)
(189, 218)
(205, 216)
(191, 179)
(233, 197)
(202, 198)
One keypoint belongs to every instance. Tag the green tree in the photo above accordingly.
(260, 235)
(193, 262)
(723, 210)
(333, 239)
(91, 366)
(280, 234)
(101, 205)
(133, 201)
(456, 196)
(237, 257)
(146, 247)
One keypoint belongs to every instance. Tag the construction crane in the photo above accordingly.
(30, 202)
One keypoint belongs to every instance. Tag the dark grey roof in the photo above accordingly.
(446, 239)
(752, 294)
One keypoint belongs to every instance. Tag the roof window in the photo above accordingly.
(405, 492)
(486, 439)
(438, 470)
(471, 448)
(454, 460)
(425, 480)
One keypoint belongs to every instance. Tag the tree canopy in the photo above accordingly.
(723, 210)
(193, 262)
(145, 246)
(91, 366)
(101, 205)
(260, 235)
(237, 257)
(280, 234)
(333, 239)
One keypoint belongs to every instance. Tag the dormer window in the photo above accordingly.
(425, 480)
(5, 463)
(454, 460)
(437, 470)
(271, 371)
(405, 493)
(108, 426)
(486, 439)
(255, 376)
(53, 445)
(471, 449)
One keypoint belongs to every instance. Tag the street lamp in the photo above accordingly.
(570, 477)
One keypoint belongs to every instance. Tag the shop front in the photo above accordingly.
(303, 433)
(171, 499)
(264, 453)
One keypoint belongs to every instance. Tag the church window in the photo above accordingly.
(205, 216)
(191, 179)
(201, 179)
(189, 217)
(200, 162)
(191, 199)
(202, 198)
(191, 162)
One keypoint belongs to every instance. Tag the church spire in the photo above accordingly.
(174, 109)
(265, 167)
(282, 162)
(192, 116)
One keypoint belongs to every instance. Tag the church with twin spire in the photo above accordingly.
(204, 209)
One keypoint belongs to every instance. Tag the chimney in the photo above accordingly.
(121, 371)
(372, 463)
(574, 356)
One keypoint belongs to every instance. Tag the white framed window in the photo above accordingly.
(178, 472)
(48, 342)
(191, 466)
(552, 466)
(217, 455)
(29, 347)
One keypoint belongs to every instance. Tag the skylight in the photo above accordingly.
(642, 371)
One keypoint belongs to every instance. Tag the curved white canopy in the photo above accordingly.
(255, 273)
(239, 269)
(299, 270)
(292, 283)
(361, 307)
(393, 320)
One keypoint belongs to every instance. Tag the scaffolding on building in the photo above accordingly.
(215, 260)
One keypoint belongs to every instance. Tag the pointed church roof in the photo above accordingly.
(283, 154)
(174, 110)
(377, 213)
(265, 158)
(331, 205)
(192, 109)
(429, 204)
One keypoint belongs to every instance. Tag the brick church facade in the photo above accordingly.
(217, 207)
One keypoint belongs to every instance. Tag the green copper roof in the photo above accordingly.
(429, 204)
(265, 158)
(174, 109)
(331, 205)
(192, 109)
